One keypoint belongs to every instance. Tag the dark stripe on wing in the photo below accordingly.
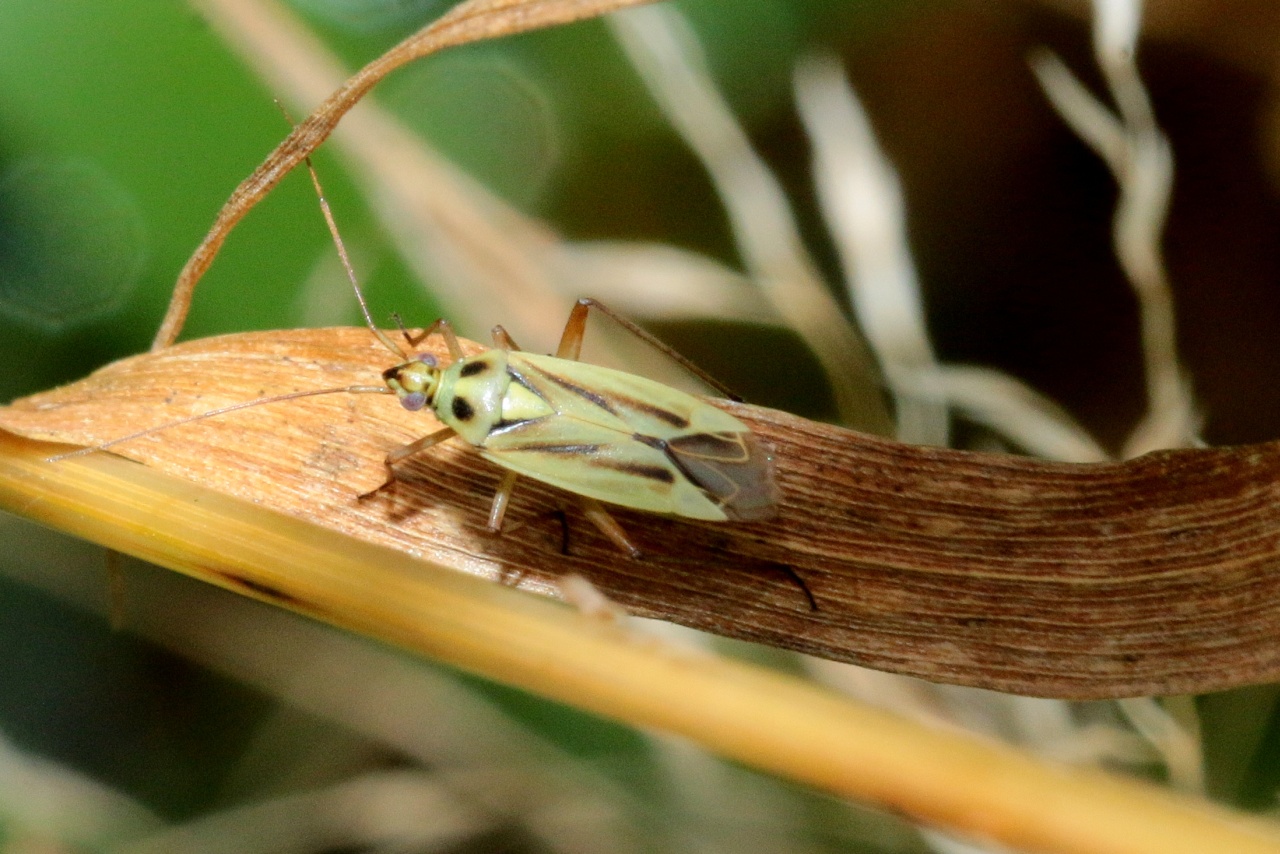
(722, 447)
(505, 426)
(556, 448)
(584, 393)
(661, 474)
(523, 381)
(614, 401)
(674, 419)
(651, 441)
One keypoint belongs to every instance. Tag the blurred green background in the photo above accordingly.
(125, 125)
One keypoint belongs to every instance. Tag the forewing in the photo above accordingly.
(622, 401)
(732, 468)
(602, 463)
(631, 441)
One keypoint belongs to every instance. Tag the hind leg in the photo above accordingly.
(501, 497)
(576, 326)
(608, 526)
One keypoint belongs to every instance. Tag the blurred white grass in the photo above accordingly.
(669, 59)
(44, 805)
(1174, 730)
(382, 810)
(1022, 415)
(1139, 156)
(864, 210)
(945, 844)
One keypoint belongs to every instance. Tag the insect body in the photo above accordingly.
(598, 432)
(602, 434)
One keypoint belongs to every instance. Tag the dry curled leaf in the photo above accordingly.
(1152, 576)
(474, 20)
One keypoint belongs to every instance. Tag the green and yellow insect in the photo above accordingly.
(602, 434)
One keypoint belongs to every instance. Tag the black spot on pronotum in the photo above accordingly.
(462, 410)
(470, 369)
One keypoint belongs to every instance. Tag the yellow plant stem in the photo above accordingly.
(766, 719)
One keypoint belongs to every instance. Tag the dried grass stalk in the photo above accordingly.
(471, 21)
(1157, 575)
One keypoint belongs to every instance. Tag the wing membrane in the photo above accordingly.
(732, 469)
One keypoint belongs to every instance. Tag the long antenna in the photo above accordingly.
(355, 389)
(346, 264)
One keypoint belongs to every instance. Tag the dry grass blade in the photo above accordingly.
(1152, 576)
(468, 22)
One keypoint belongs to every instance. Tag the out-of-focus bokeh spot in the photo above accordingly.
(72, 242)
(512, 146)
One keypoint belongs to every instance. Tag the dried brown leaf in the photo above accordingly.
(1152, 576)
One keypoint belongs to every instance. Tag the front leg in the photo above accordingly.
(404, 452)
(443, 327)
